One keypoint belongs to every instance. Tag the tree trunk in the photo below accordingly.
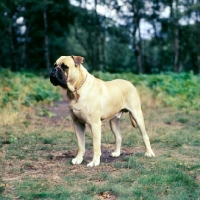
(198, 63)
(198, 40)
(176, 50)
(23, 57)
(12, 49)
(175, 35)
(158, 37)
(46, 39)
(139, 58)
(84, 44)
(137, 45)
(96, 39)
(103, 50)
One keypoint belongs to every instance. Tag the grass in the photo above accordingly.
(37, 164)
(36, 153)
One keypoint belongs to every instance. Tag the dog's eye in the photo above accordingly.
(64, 67)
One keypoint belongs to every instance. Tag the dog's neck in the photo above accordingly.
(72, 88)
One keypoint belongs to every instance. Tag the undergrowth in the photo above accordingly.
(25, 89)
(20, 91)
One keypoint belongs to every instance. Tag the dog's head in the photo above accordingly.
(65, 70)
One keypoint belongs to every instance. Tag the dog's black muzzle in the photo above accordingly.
(57, 77)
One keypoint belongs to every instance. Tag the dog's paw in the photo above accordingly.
(149, 153)
(77, 161)
(93, 164)
(115, 154)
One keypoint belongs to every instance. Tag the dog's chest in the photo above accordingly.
(80, 112)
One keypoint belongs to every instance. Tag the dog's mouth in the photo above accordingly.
(57, 77)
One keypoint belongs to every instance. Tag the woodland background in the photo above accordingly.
(108, 33)
(34, 34)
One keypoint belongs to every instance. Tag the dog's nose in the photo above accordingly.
(54, 71)
(53, 77)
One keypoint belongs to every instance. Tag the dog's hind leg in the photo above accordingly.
(115, 127)
(138, 117)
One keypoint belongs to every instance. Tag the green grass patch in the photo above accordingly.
(161, 177)
(40, 189)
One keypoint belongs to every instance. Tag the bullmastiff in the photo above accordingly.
(92, 101)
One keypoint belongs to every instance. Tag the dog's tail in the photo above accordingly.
(133, 122)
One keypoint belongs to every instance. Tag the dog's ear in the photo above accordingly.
(78, 60)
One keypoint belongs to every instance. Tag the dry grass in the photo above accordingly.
(8, 116)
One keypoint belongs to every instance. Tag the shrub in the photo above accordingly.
(25, 89)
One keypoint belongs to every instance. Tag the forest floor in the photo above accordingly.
(36, 154)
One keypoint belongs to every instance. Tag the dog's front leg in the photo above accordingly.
(80, 134)
(96, 134)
